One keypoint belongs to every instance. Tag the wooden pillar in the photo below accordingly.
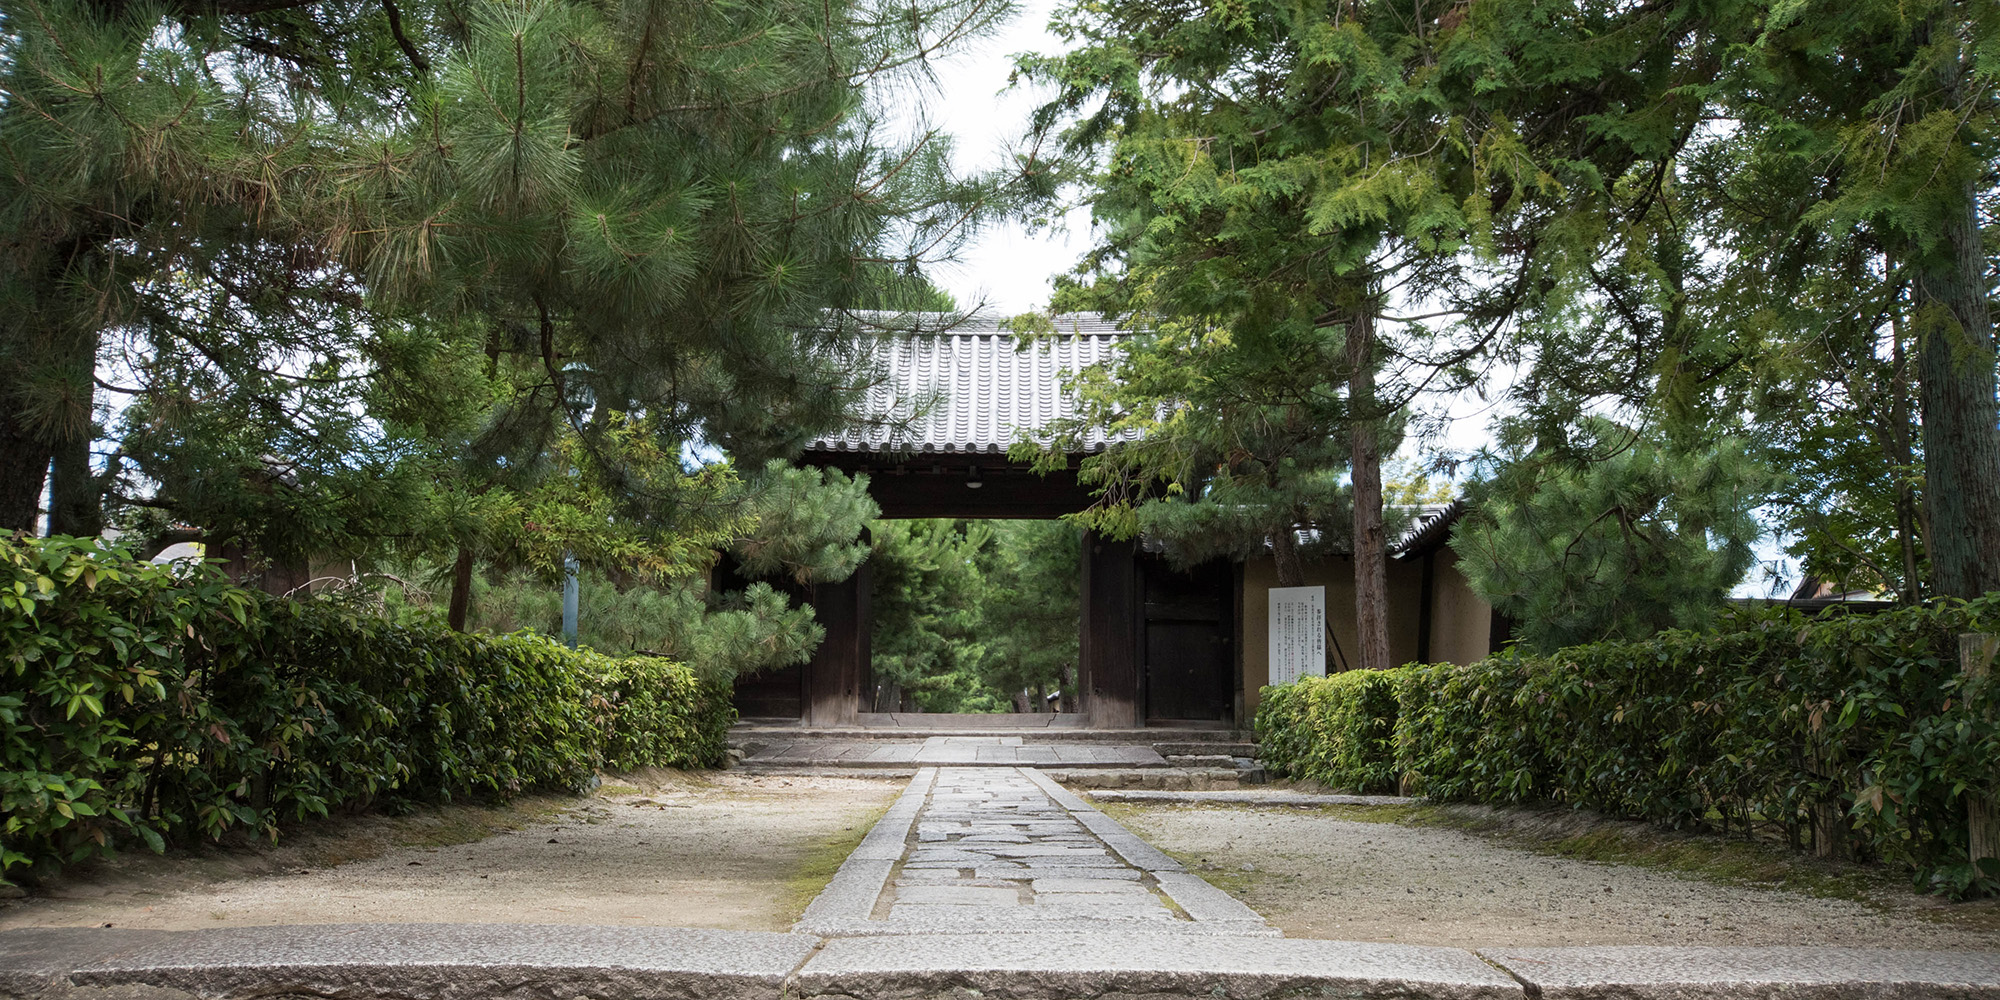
(1975, 657)
(1239, 705)
(1426, 597)
(1110, 639)
(840, 666)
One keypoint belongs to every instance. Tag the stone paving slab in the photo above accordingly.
(1072, 964)
(958, 895)
(1005, 849)
(1656, 973)
(435, 961)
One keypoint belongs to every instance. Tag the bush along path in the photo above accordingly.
(141, 704)
(1859, 737)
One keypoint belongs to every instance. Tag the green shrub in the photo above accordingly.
(1855, 734)
(147, 703)
(660, 714)
(1337, 730)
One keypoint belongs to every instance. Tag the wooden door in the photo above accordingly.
(1189, 662)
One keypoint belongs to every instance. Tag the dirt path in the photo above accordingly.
(1322, 873)
(721, 850)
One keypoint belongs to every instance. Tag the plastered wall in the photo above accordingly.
(1461, 622)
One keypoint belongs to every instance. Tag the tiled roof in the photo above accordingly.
(1431, 529)
(972, 391)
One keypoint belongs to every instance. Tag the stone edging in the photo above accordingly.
(529, 962)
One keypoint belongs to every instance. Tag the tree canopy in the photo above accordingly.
(1740, 228)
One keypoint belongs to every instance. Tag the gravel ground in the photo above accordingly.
(718, 850)
(1317, 875)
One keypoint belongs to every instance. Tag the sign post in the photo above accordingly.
(1298, 633)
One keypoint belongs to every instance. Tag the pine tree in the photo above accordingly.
(1270, 170)
(1223, 444)
(1617, 537)
(1856, 149)
(397, 244)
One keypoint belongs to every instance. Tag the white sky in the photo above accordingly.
(1006, 267)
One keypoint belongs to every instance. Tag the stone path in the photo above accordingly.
(1090, 910)
(1004, 751)
(993, 848)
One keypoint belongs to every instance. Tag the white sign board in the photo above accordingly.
(1298, 633)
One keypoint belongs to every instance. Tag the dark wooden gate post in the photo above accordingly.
(1110, 639)
(840, 666)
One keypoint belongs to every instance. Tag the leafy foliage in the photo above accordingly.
(1611, 534)
(1338, 730)
(719, 636)
(144, 703)
(927, 634)
(1857, 734)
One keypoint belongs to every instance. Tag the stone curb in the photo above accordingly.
(1037, 966)
(434, 961)
(850, 896)
(529, 962)
(1638, 972)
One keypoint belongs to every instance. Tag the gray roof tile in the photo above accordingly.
(974, 389)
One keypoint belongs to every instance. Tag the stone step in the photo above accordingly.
(945, 751)
(527, 962)
(1234, 748)
(1202, 760)
(1160, 778)
(1207, 740)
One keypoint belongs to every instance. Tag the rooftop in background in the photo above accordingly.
(1430, 531)
(975, 389)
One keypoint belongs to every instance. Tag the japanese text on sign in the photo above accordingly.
(1298, 633)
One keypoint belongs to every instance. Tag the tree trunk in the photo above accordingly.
(1902, 453)
(1371, 548)
(1285, 557)
(461, 591)
(24, 467)
(1961, 418)
(75, 504)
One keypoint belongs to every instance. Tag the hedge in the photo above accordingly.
(145, 704)
(1852, 734)
(1338, 730)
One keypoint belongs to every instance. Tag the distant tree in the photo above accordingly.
(927, 631)
(1611, 534)
(1221, 444)
(1307, 182)
(1033, 574)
